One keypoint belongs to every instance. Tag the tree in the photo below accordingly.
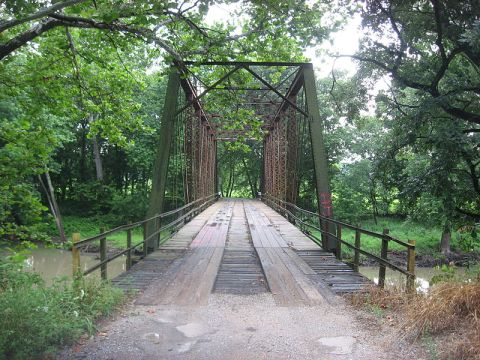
(76, 72)
(164, 23)
(428, 46)
(428, 152)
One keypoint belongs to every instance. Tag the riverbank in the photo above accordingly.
(37, 318)
(459, 259)
(444, 320)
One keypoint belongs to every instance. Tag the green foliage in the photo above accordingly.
(90, 226)
(36, 319)
(448, 274)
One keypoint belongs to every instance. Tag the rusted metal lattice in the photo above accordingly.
(280, 96)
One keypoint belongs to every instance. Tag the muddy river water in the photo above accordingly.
(54, 263)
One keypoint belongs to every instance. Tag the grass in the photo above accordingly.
(88, 227)
(37, 319)
(427, 237)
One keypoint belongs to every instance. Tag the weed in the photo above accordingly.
(36, 318)
(431, 346)
(448, 308)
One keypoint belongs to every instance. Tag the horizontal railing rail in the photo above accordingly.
(181, 215)
(292, 211)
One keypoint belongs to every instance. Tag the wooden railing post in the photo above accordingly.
(411, 267)
(145, 248)
(356, 258)
(129, 245)
(338, 247)
(382, 269)
(75, 255)
(103, 255)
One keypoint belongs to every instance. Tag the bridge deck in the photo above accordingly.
(242, 247)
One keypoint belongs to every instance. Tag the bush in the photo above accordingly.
(132, 207)
(36, 318)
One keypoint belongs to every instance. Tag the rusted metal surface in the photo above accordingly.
(281, 95)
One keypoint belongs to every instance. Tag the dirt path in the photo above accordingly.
(235, 327)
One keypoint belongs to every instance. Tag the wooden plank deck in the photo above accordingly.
(240, 246)
(240, 271)
(190, 279)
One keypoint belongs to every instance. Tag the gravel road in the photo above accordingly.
(236, 327)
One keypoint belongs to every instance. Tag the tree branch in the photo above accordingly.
(43, 12)
(476, 217)
(78, 22)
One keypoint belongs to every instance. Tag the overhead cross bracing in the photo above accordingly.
(259, 88)
(273, 104)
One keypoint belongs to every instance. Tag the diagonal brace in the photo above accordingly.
(207, 90)
(264, 82)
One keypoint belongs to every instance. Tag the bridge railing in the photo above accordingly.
(305, 220)
(172, 220)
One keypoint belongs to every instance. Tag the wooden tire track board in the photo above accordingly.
(286, 273)
(190, 279)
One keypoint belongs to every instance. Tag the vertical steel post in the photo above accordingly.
(189, 157)
(292, 154)
(160, 168)
(319, 155)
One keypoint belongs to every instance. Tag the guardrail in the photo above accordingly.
(303, 219)
(180, 216)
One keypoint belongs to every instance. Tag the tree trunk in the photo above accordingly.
(252, 187)
(232, 184)
(98, 159)
(230, 180)
(83, 153)
(446, 237)
(52, 202)
(373, 198)
(96, 151)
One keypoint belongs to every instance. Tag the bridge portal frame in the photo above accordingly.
(280, 150)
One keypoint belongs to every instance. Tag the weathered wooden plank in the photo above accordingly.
(305, 287)
(300, 263)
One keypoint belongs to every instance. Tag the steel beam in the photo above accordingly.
(324, 196)
(244, 63)
(267, 84)
(160, 167)
(292, 154)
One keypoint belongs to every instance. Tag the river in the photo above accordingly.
(394, 279)
(55, 263)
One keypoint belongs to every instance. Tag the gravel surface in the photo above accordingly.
(237, 327)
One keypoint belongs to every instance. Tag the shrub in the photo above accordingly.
(36, 318)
